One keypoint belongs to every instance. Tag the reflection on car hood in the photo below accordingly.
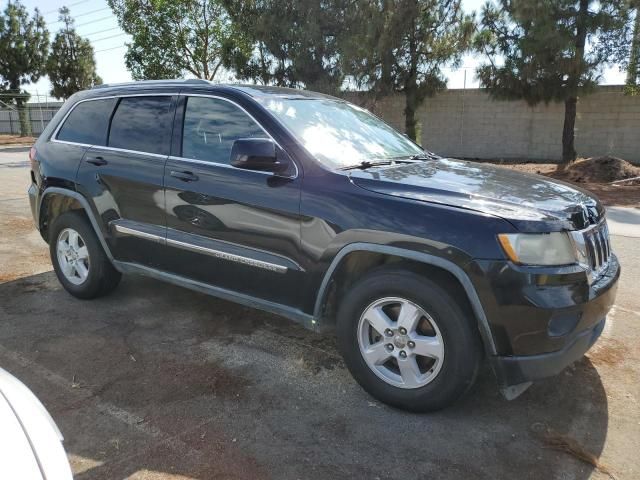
(529, 202)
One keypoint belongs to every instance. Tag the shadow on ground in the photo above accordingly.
(155, 381)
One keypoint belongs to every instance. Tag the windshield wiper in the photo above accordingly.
(426, 155)
(366, 164)
(392, 161)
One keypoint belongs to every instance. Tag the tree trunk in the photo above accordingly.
(569, 153)
(411, 93)
(25, 123)
(568, 132)
(633, 70)
(410, 115)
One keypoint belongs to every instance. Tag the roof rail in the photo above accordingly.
(154, 82)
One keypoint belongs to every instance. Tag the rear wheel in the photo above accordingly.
(407, 341)
(78, 259)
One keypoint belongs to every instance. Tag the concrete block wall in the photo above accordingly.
(469, 124)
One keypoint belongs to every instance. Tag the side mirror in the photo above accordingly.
(257, 154)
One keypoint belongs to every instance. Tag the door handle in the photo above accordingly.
(97, 161)
(184, 176)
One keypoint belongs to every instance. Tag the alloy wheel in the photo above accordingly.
(73, 256)
(400, 342)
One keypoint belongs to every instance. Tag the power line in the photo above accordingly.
(101, 31)
(71, 5)
(82, 14)
(108, 49)
(94, 21)
(107, 38)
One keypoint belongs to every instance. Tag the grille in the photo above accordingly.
(598, 247)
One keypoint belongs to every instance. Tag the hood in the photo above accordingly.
(530, 202)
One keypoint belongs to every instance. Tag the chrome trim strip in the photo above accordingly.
(199, 249)
(138, 233)
(227, 256)
(223, 165)
(124, 150)
(172, 231)
(54, 136)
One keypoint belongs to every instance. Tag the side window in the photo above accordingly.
(211, 126)
(88, 122)
(142, 124)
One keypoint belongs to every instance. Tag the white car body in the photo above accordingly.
(30, 442)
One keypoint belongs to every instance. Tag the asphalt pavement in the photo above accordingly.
(158, 382)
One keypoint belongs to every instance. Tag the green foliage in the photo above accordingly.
(71, 66)
(24, 42)
(633, 63)
(174, 38)
(544, 58)
(538, 51)
(622, 46)
(294, 44)
(402, 45)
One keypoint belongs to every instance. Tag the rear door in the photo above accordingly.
(125, 177)
(228, 227)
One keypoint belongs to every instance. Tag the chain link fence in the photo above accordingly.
(37, 115)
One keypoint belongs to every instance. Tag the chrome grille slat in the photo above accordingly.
(599, 254)
(598, 247)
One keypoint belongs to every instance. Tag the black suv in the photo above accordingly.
(310, 207)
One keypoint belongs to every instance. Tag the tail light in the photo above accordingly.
(34, 164)
(32, 158)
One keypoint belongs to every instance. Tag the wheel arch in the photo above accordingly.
(62, 200)
(447, 267)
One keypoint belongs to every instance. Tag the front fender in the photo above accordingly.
(429, 259)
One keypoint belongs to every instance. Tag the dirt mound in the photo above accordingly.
(600, 170)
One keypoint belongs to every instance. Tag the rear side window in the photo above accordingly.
(211, 126)
(88, 122)
(142, 124)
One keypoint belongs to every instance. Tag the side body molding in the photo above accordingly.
(447, 265)
(87, 208)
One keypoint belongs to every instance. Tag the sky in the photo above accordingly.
(95, 21)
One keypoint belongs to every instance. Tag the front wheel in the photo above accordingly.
(407, 341)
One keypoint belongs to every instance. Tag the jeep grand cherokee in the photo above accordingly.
(310, 207)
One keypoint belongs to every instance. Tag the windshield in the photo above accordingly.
(338, 133)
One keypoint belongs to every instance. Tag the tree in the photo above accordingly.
(71, 66)
(623, 47)
(542, 45)
(294, 44)
(633, 63)
(174, 38)
(402, 45)
(24, 43)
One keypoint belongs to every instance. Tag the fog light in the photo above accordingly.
(562, 323)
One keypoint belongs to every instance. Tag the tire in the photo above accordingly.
(84, 269)
(449, 336)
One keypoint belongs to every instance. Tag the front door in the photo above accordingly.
(124, 178)
(231, 228)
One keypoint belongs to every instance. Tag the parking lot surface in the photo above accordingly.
(157, 382)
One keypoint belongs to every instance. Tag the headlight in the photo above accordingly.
(554, 248)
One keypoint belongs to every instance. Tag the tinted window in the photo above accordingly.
(212, 125)
(142, 124)
(88, 122)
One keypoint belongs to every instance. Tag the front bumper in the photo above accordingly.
(516, 370)
(543, 320)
